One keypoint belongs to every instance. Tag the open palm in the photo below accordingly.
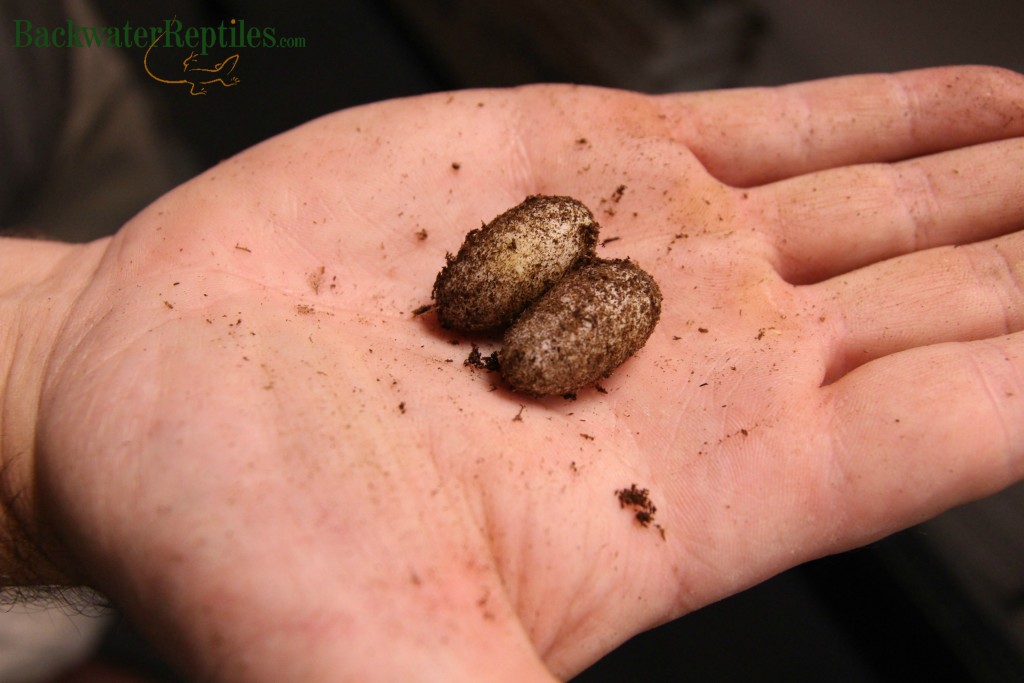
(250, 442)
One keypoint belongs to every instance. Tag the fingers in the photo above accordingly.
(954, 294)
(921, 431)
(751, 136)
(838, 220)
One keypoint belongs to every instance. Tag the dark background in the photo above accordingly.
(361, 51)
(941, 602)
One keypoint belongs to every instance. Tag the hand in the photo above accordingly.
(249, 442)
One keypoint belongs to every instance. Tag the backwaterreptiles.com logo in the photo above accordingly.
(198, 70)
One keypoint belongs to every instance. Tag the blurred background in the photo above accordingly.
(89, 138)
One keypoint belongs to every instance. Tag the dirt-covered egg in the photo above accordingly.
(507, 264)
(581, 329)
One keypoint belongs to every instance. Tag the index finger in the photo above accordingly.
(751, 136)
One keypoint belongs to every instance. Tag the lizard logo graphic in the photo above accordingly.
(196, 76)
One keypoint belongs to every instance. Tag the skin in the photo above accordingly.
(246, 440)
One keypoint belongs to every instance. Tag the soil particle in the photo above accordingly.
(478, 360)
(315, 279)
(638, 500)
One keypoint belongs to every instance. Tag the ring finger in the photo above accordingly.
(948, 294)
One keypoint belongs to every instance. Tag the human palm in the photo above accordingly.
(249, 441)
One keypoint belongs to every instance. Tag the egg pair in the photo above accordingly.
(569, 318)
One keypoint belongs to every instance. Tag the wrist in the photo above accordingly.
(39, 282)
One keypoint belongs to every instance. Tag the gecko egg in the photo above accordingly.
(508, 263)
(584, 327)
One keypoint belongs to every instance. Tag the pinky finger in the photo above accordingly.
(924, 430)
